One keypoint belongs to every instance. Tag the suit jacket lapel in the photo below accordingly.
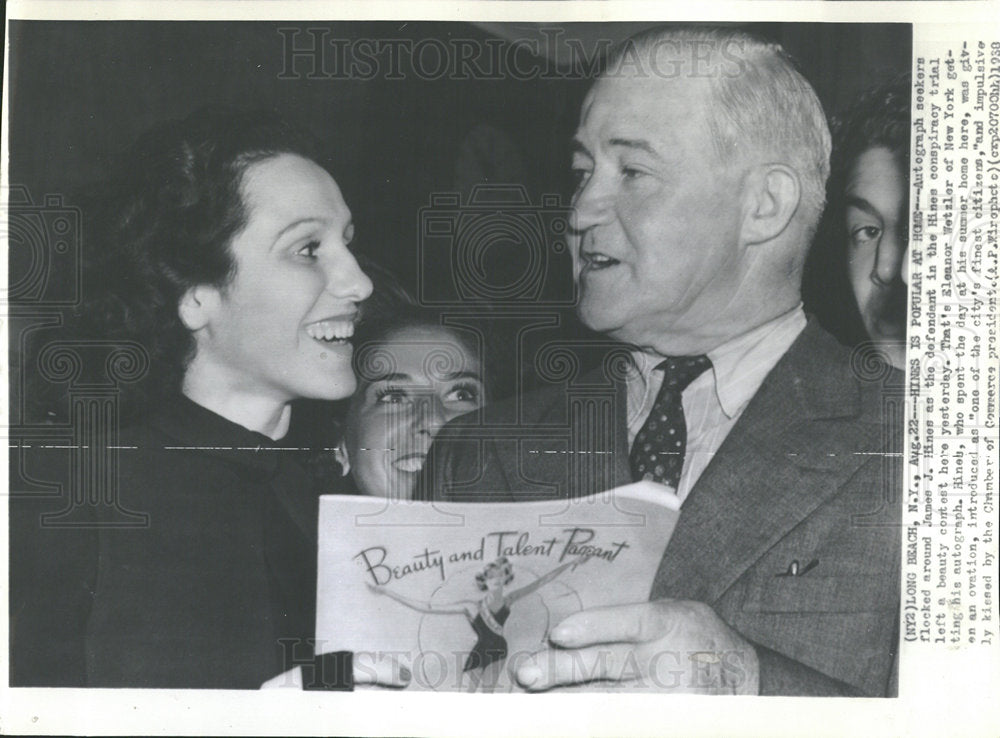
(781, 461)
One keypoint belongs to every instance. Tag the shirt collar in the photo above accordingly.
(740, 364)
(643, 364)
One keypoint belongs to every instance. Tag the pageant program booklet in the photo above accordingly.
(461, 592)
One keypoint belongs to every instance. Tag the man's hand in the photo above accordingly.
(663, 646)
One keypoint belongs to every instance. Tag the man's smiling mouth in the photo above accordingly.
(595, 261)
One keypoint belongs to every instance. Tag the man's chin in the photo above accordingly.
(600, 320)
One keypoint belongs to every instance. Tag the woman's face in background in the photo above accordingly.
(412, 383)
(281, 328)
(876, 218)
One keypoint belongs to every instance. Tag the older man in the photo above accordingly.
(702, 156)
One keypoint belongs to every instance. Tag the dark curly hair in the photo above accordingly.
(164, 223)
(880, 117)
(502, 565)
(391, 309)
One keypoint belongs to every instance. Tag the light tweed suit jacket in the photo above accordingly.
(809, 473)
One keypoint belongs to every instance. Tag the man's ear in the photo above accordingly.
(772, 197)
(198, 306)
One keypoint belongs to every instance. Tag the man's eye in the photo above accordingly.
(631, 173)
(309, 250)
(580, 176)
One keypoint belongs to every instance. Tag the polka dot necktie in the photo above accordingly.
(658, 450)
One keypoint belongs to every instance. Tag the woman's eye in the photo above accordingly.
(463, 394)
(391, 396)
(580, 176)
(865, 235)
(309, 250)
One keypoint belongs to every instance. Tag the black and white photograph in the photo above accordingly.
(379, 361)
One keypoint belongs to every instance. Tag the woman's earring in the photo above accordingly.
(340, 454)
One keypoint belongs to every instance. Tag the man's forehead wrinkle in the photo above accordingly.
(654, 90)
(638, 114)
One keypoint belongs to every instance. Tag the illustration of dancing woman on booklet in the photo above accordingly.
(487, 617)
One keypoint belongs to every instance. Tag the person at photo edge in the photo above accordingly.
(855, 277)
(698, 195)
(224, 252)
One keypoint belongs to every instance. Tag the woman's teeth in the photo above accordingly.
(411, 464)
(331, 331)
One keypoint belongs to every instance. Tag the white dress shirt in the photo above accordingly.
(715, 400)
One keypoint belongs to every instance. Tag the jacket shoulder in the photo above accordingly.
(836, 379)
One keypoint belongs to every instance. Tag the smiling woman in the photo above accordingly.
(414, 376)
(280, 328)
(225, 255)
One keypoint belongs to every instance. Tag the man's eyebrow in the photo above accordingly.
(636, 143)
(578, 148)
(862, 204)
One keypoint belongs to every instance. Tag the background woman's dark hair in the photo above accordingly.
(391, 309)
(164, 222)
(880, 117)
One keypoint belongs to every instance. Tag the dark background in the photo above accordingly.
(80, 93)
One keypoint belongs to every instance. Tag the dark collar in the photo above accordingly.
(195, 427)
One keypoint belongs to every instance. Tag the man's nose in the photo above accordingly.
(593, 204)
(346, 281)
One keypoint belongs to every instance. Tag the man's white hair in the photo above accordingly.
(762, 110)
